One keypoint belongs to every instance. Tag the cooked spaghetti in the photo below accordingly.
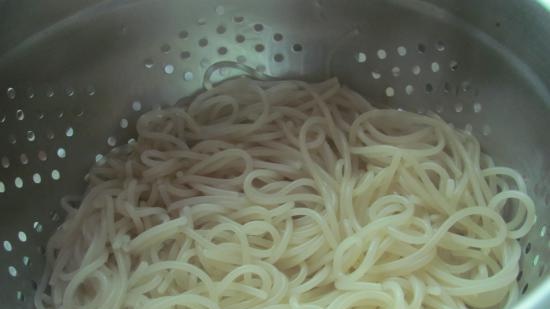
(291, 195)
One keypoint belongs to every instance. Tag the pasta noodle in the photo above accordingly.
(287, 195)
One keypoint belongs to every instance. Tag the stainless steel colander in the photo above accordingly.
(75, 75)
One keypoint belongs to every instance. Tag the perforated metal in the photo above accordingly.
(73, 91)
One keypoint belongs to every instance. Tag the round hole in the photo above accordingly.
(453, 65)
(54, 216)
(78, 111)
(24, 159)
(36, 178)
(416, 70)
(465, 86)
(31, 136)
(169, 69)
(390, 92)
(429, 88)
(277, 37)
(486, 130)
(19, 114)
(421, 48)
(90, 90)
(258, 27)
(203, 42)
(435, 67)
(361, 57)
(56, 175)
(536, 260)
(123, 123)
(440, 46)
(69, 92)
(30, 93)
(148, 63)
(7, 246)
(520, 275)
(42, 156)
(2, 187)
(260, 68)
(50, 93)
(459, 107)
(50, 135)
(381, 54)
(241, 59)
(136, 106)
(26, 260)
(185, 55)
(111, 141)
(5, 162)
(401, 51)
(12, 139)
(239, 38)
(220, 10)
(278, 57)
(165, 48)
(376, 75)
(238, 19)
(395, 71)
(259, 48)
(542, 270)
(37, 227)
(543, 231)
(22, 236)
(69, 132)
(183, 34)
(18, 182)
(61, 153)
(188, 76)
(10, 92)
(468, 128)
(222, 50)
(477, 107)
(409, 89)
(12, 271)
(298, 48)
(221, 29)
(204, 63)
(98, 157)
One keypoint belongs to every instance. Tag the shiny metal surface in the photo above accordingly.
(75, 77)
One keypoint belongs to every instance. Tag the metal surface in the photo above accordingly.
(74, 79)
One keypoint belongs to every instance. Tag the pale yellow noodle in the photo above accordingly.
(289, 195)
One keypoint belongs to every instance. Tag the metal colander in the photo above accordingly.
(75, 77)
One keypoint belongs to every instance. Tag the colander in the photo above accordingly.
(76, 74)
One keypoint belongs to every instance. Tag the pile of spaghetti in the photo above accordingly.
(287, 195)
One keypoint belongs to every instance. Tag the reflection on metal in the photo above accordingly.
(545, 4)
